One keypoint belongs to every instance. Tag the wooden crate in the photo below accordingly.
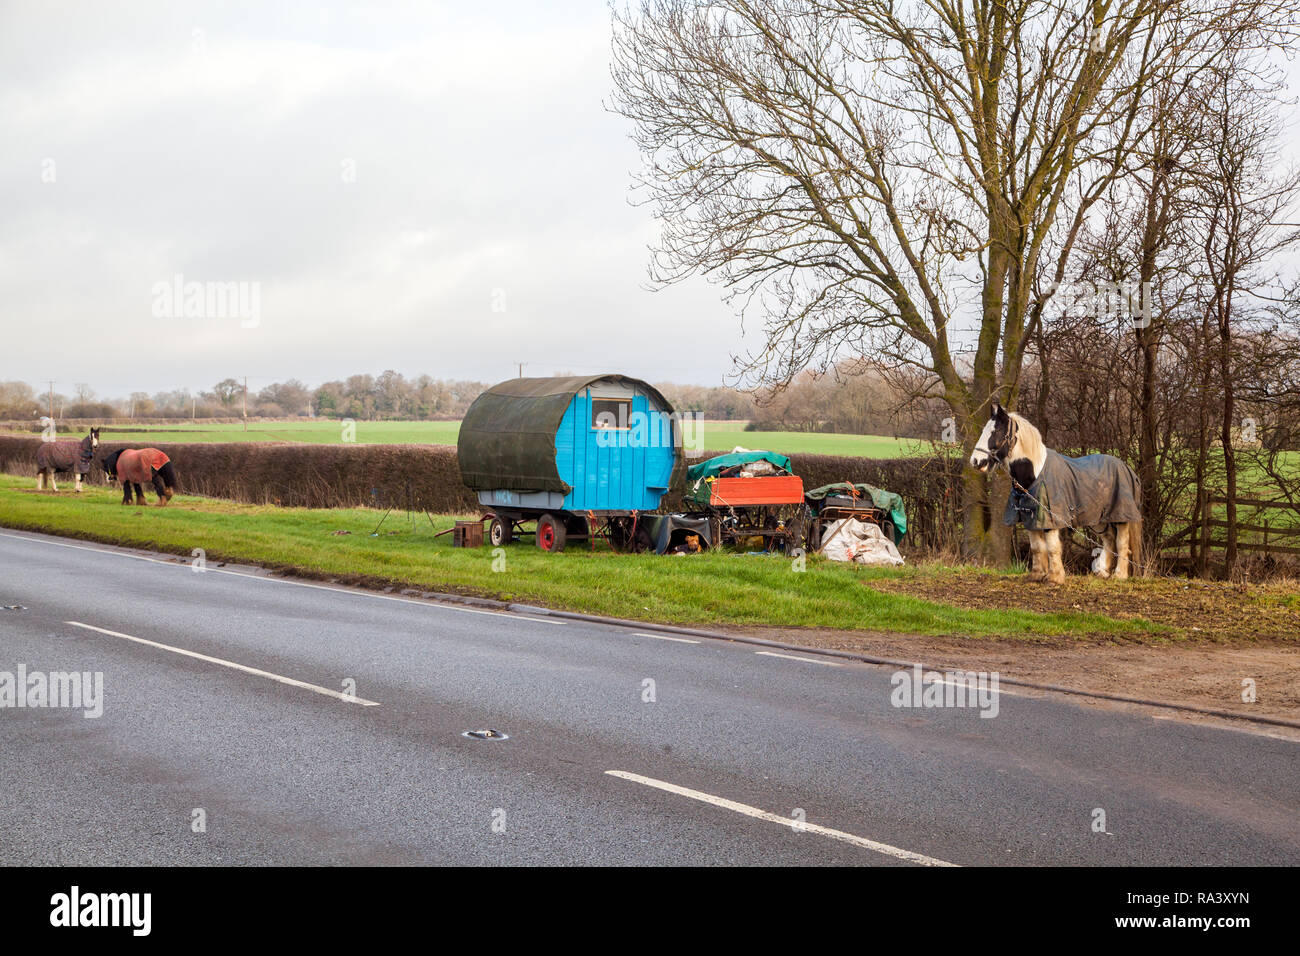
(467, 534)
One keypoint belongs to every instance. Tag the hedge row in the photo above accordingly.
(427, 476)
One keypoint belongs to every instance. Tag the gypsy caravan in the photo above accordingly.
(578, 455)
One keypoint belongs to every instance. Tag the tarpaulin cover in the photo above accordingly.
(507, 438)
(712, 467)
(1085, 492)
(886, 501)
(662, 528)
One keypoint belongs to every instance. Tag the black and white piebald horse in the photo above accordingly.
(56, 456)
(1050, 492)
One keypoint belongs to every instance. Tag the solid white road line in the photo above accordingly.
(792, 657)
(665, 637)
(339, 695)
(758, 814)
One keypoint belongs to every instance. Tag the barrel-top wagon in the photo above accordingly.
(577, 455)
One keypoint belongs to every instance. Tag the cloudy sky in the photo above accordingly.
(432, 187)
(428, 187)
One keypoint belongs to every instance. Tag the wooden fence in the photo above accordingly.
(1265, 527)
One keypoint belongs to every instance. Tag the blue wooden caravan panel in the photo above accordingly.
(629, 469)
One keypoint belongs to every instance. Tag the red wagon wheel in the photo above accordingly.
(550, 534)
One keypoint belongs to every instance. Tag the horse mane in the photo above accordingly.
(1029, 440)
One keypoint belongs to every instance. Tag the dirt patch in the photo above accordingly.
(1192, 610)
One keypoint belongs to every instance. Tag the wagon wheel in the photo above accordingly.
(550, 533)
(501, 531)
(788, 521)
(619, 532)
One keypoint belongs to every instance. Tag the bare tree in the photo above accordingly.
(872, 175)
(1243, 201)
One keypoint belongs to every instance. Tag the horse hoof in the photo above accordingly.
(1036, 576)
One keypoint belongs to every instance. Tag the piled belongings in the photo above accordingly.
(749, 498)
(830, 503)
(702, 478)
(862, 542)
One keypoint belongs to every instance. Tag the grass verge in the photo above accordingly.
(710, 589)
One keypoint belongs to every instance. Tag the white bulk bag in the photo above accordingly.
(851, 539)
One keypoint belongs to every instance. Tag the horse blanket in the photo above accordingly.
(1086, 492)
(139, 465)
(65, 456)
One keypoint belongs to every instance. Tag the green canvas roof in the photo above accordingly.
(507, 438)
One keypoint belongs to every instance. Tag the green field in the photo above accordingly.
(717, 588)
(713, 436)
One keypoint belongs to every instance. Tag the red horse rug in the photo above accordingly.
(138, 466)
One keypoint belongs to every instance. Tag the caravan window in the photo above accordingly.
(611, 412)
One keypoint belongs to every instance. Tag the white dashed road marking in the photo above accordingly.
(316, 688)
(794, 657)
(802, 827)
(665, 637)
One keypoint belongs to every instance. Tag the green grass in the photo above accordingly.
(710, 589)
(713, 435)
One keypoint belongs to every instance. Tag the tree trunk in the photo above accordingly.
(1229, 453)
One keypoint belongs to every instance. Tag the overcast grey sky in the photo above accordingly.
(429, 187)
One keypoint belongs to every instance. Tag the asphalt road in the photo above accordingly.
(734, 743)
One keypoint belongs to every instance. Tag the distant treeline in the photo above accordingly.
(854, 404)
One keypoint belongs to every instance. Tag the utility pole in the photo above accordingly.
(521, 369)
(51, 400)
(245, 403)
(193, 408)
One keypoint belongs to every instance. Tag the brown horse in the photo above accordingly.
(135, 466)
(56, 456)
